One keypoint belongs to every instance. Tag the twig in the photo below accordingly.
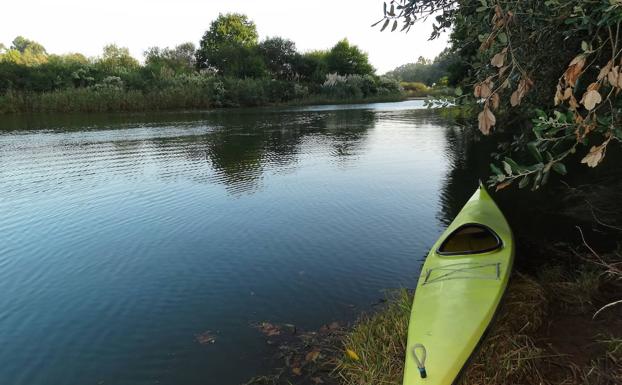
(606, 306)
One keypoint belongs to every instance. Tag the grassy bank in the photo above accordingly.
(546, 332)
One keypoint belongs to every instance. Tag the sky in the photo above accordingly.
(85, 26)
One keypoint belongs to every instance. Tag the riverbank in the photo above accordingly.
(545, 333)
(118, 100)
(558, 322)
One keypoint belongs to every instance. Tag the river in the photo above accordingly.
(124, 237)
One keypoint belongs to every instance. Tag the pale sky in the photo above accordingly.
(85, 26)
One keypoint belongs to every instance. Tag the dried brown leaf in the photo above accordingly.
(590, 99)
(312, 355)
(499, 59)
(605, 70)
(494, 101)
(596, 155)
(574, 70)
(503, 185)
(486, 120)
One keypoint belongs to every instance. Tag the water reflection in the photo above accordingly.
(122, 238)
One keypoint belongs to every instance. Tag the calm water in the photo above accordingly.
(123, 237)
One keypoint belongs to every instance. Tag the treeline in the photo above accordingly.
(427, 77)
(231, 67)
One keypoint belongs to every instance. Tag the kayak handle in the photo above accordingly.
(420, 362)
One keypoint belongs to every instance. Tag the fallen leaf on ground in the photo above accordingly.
(352, 354)
(297, 371)
(317, 380)
(269, 329)
(312, 355)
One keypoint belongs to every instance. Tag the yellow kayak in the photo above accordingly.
(459, 289)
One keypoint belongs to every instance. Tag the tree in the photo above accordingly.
(312, 67)
(227, 31)
(280, 56)
(180, 59)
(346, 59)
(25, 52)
(552, 65)
(22, 44)
(116, 60)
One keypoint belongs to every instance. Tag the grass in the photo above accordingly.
(172, 98)
(379, 341)
(521, 347)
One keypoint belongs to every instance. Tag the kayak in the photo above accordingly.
(460, 287)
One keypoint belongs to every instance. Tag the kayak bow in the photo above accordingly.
(459, 289)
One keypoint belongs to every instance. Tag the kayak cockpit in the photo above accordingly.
(469, 239)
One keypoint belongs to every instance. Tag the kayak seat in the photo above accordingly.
(471, 238)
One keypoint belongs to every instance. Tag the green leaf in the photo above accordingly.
(507, 168)
(584, 46)
(515, 167)
(481, 9)
(533, 149)
(503, 38)
(496, 169)
(384, 26)
(560, 168)
(458, 91)
(524, 182)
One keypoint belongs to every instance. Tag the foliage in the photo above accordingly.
(554, 65)
(230, 68)
(441, 69)
(231, 30)
(280, 56)
(347, 59)
(166, 61)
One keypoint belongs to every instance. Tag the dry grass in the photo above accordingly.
(379, 341)
(509, 354)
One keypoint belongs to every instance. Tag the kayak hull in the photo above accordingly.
(457, 296)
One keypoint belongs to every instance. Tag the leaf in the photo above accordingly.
(312, 355)
(560, 168)
(503, 38)
(507, 168)
(352, 355)
(394, 26)
(499, 59)
(494, 100)
(495, 169)
(384, 26)
(596, 154)
(458, 91)
(205, 338)
(297, 371)
(584, 46)
(590, 99)
(574, 70)
(605, 70)
(524, 182)
(378, 22)
(486, 120)
(317, 380)
(503, 185)
(533, 149)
